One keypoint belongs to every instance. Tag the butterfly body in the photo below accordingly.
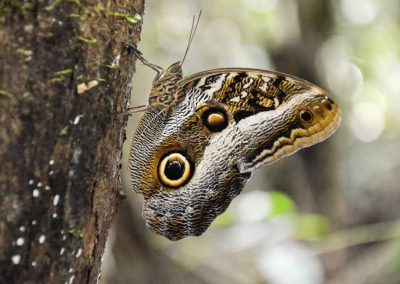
(202, 136)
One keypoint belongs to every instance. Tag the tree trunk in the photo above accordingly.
(65, 76)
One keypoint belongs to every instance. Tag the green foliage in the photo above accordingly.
(281, 204)
(311, 226)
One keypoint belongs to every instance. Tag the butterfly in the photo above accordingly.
(200, 137)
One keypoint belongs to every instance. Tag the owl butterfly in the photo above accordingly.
(201, 136)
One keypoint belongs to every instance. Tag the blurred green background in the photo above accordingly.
(329, 213)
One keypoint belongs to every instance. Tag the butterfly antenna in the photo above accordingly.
(193, 29)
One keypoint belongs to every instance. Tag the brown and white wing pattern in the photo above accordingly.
(193, 153)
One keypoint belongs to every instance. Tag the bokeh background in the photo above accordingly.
(328, 214)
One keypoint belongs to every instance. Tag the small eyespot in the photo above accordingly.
(305, 116)
(175, 170)
(215, 119)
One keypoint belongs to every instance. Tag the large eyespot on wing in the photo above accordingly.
(175, 170)
(189, 210)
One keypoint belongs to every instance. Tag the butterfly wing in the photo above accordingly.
(190, 159)
(245, 93)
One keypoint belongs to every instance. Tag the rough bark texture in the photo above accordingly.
(65, 76)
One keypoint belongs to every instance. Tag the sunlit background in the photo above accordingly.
(328, 214)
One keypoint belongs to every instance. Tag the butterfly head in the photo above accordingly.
(165, 85)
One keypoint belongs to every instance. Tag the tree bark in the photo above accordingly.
(65, 76)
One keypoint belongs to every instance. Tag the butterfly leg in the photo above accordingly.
(135, 109)
(132, 49)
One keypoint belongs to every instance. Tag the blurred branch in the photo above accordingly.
(360, 235)
(378, 264)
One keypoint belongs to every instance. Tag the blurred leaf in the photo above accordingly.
(311, 226)
(281, 204)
